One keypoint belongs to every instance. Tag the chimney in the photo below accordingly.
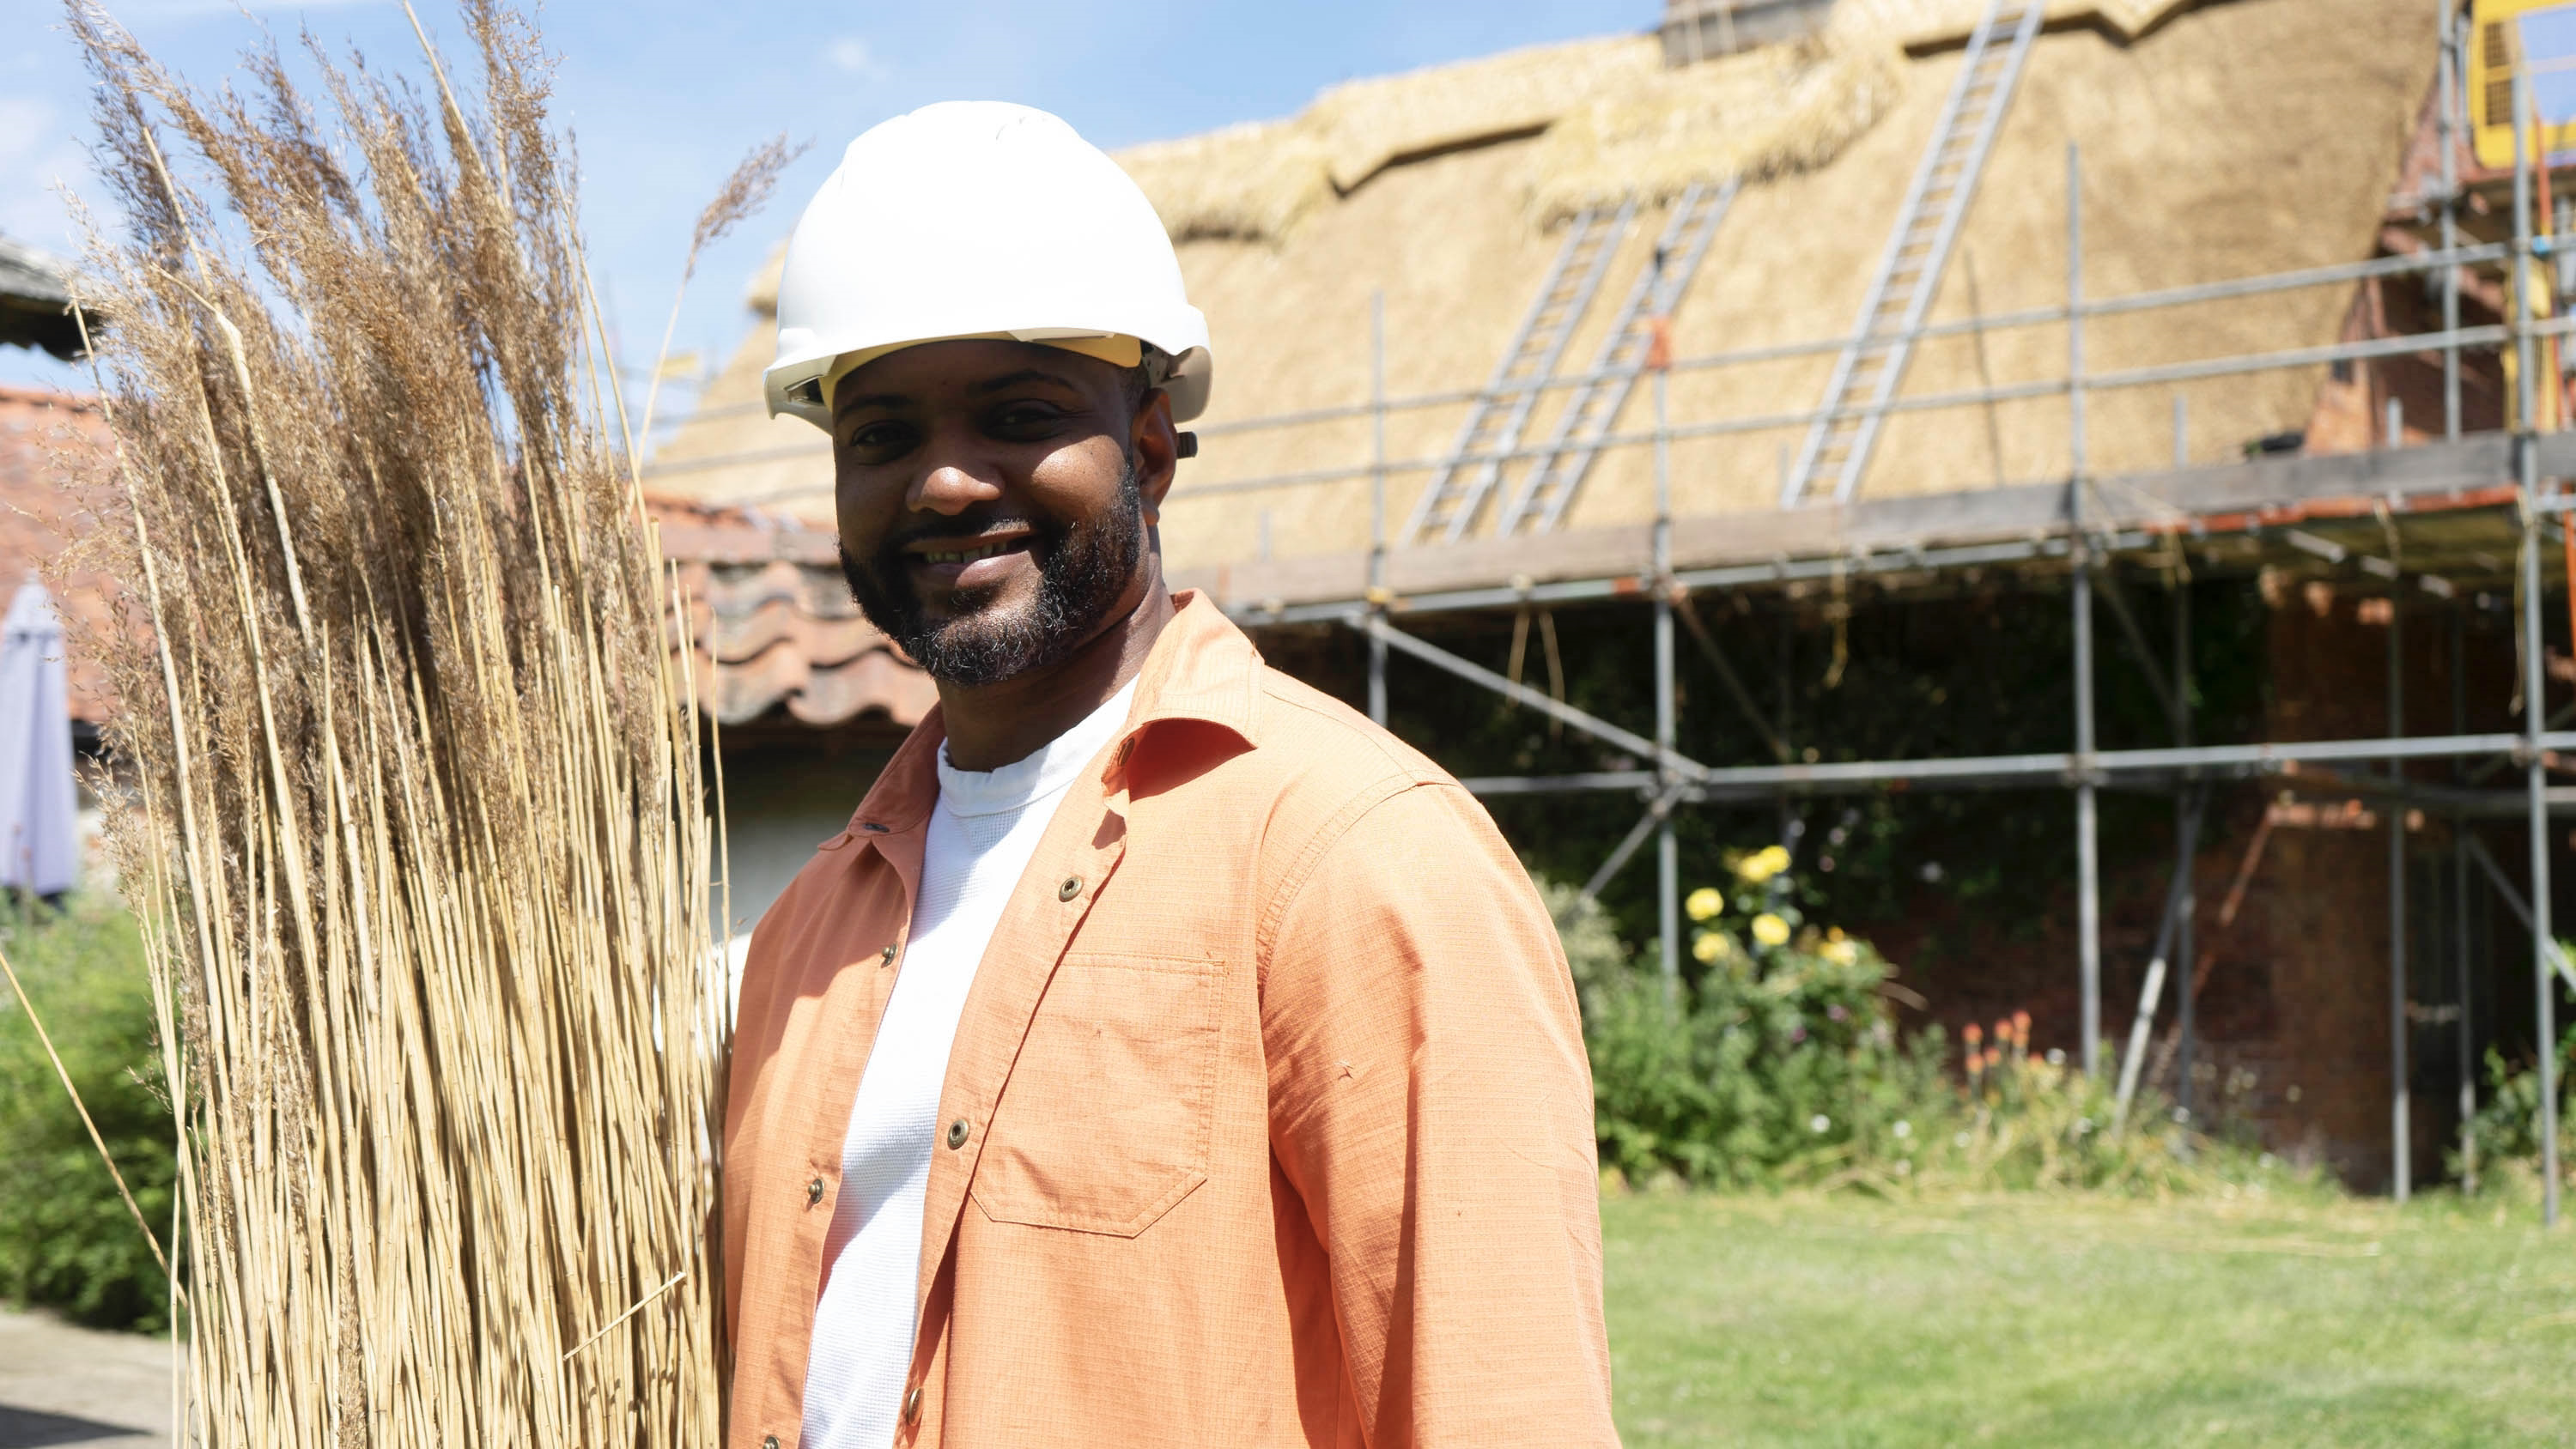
(1697, 30)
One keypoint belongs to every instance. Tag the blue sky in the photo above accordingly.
(664, 97)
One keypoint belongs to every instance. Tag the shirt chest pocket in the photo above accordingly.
(1105, 1122)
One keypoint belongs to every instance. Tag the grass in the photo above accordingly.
(2042, 1319)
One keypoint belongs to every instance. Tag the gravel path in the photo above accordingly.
(61, 1385)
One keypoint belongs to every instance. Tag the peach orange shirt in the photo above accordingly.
(1267, 1122)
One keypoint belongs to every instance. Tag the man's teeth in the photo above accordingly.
(969, 555)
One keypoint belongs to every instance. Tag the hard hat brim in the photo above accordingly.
(795, 389)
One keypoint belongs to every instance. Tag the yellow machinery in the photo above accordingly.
(2539, 36)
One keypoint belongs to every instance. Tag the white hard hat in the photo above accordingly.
(978, 219)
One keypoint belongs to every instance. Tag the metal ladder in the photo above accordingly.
(1549, 488)
(1458, 491)
(1870, 366)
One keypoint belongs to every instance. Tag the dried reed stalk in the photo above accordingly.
(417, 835)
(743, 194)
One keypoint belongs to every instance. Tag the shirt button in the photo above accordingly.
(957, 1133)
(912, 1405)
(886, 956)
(813, 1192)
(768, 1441)
(1072, 887)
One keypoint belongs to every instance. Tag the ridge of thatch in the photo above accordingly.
(1253, 182)
(1248, 182)
(1611, 116)
(1761, 113)
(1369, 124)
(1614, 118)
(1932, 24)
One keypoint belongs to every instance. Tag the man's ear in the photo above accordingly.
(1156, 446)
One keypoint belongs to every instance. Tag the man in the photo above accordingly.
(1165, 1054)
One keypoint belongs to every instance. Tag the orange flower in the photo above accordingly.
(2021, 1030)
(1972, 1033)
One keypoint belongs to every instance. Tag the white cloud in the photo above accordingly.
(36, 153)
(853, 56)
(25, 122)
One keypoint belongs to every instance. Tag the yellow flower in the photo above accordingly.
(1704, 903)
(1841, 953)
(1770, 930)
(1712, 947)
(1762, 864)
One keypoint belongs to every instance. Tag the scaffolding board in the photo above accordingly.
(1558, 474)
(1458, 491)
(1866, 373)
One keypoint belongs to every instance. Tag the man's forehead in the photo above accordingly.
(971, 367)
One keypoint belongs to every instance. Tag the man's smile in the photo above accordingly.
(970, 560)
(988, 550)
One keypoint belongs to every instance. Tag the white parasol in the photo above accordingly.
(39, 850)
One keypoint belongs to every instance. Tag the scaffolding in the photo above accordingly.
(2429, 523)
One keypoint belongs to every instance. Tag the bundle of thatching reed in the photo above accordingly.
(416, 835)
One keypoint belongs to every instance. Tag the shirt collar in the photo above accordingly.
(1201, 668)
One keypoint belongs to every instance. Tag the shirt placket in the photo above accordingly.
(989, 1039)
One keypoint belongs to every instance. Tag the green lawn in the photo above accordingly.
(2042, 1320)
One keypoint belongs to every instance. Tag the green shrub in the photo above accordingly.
(2504, 1136)
(66, 1239)
(1779, 1064)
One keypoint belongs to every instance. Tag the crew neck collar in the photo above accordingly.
(1045, 771)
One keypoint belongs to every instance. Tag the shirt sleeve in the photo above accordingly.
(1432, 1106)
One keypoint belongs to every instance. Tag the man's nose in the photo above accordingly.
(950, 486)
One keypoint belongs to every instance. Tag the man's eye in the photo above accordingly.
(1022, 417)
(880, 437)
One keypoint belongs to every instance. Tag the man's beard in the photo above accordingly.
(1083, 569)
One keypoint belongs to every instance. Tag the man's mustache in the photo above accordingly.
(963, 527)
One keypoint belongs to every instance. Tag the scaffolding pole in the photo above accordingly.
(2169, 925)
(2139, 768)
(1656, 809)
(2161, 374)
(2088, 862)
(2400, 1104)
(2088, 853)
(1377, 502)
(2468, 1081)
(1787, 681)
(1668, 861)
(2186, 822)
(2450, 215)
(2542, 972)
(2534, 662)
(2335, 274)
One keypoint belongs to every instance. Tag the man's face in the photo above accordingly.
(994, 501)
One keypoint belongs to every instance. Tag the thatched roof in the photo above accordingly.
(2219, 140)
